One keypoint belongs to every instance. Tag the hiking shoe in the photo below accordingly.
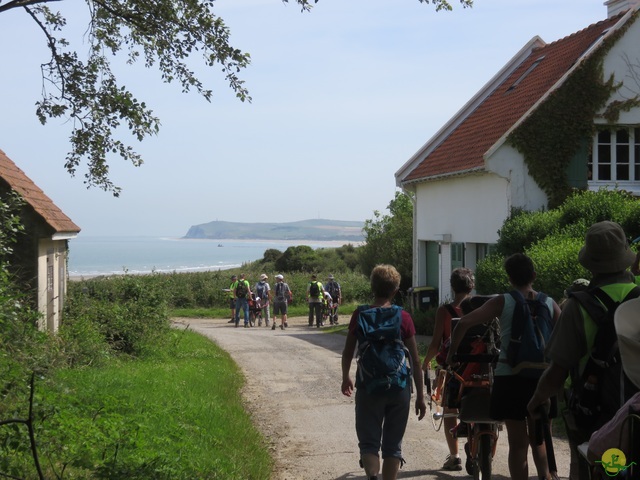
(232, 321)
(281, 327)
(452, 463)
(286, 324)
(274, 327)
(468, 464)
(246, 325)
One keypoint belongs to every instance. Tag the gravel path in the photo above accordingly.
(293, 393)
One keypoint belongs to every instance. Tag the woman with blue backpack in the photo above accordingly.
(387, 358)
(526, 320)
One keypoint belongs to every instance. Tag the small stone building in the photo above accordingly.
(40, 256)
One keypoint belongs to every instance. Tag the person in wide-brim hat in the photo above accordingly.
(616, 431)
(606, 249)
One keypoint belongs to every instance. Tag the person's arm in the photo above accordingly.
(436, 339)
(550, 384)
(421, 406)
(635, 266)
(484, 314)
(347, 358)
(556, 312)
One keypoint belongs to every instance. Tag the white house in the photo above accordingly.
(469, 175)
(40, 256)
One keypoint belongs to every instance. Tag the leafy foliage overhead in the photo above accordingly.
(165, 34)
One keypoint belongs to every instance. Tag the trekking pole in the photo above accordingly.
(543, 432)
(427, 381)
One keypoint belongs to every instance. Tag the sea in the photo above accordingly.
(94, 256)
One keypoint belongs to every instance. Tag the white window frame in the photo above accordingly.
(630, 184)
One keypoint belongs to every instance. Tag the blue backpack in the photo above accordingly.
(384, 362)
(530, 330)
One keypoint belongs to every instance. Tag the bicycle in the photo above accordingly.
(475, 378)
(435, 392)
(474, 397)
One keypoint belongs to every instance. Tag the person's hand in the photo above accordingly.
(535, 403)
(425, 366)
(347, 387)
(421, 407)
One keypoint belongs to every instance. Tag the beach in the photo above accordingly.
(91, 257)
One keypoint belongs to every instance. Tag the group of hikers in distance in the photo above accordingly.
(579, 359)
(255, 302)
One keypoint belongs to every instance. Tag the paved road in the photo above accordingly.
(293, 392)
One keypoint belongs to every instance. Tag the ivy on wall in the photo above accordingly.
(553, 133)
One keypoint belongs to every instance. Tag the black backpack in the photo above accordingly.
(603, 387)
(314, 289)
(242, 289)
(333, 288)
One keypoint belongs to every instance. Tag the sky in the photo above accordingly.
(342, 96)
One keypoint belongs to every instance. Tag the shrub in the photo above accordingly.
(585, 208)
(424, 321)
(523, 229)
(556, 262)
(129, 311)
(490, 275)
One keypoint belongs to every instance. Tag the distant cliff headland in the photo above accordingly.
(318, 230)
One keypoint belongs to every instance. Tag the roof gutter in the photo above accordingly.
(64, 235)
(461, 173)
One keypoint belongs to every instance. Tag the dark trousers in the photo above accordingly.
(317, 309)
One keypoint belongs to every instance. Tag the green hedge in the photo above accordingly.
(553, 239)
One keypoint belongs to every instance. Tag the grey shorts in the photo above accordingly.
(280, 307)
(381, 420)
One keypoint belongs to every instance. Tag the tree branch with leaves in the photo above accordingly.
(165, 34)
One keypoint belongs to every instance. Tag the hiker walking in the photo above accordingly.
(281, 301)
(241, 294)
(583, 336)
(315, 298)
(262, 293)
(383, 391)
(232, 298)
(333, 288)
(618, 432)
(462, 282)
(521, 312)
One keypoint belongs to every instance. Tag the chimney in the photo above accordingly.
(614, 7)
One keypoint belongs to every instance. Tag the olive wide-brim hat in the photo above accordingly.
(606, 249)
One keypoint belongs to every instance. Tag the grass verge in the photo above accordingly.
(176, 414)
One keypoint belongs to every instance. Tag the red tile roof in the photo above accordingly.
(463, 149)
(35, 197)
